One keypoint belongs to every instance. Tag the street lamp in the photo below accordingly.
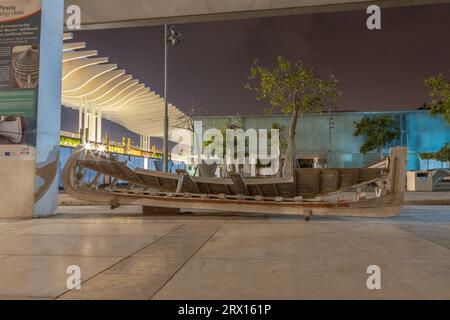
(172, 36)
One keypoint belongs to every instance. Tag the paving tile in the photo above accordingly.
(14, 225)
(142, 230)
(206, 278)
(22, 298)
(438, 234)
(423, 214)
(197, 230)
(431, 279)
(353, 230)
(226, 257)
(174, 247)
(279, 248)
(105, 219)
(441, 241)
(404, 247)
(45, 276)
(118, 287)
(141, 265)
(73, 245)
(92, 210)
(439, 230)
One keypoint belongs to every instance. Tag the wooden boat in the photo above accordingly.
(334, 192)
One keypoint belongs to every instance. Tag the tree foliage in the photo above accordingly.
(442, 155)
(282, 133)
(378, 131)
(292, 88)
(440, 95)
(440, 105)
(235, 123)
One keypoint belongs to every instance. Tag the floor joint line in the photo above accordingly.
(122, 260)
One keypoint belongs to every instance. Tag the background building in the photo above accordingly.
(419, 132)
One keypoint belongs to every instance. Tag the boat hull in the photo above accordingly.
(387, 203)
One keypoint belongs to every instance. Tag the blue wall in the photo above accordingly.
(426, 134)
(419, 132)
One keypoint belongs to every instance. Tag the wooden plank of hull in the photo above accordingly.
(160, 180)
(383, 164)
(185, 183)
(317, 182)
(112, 168)
(240, 184)
(273, 187)
(307, 182)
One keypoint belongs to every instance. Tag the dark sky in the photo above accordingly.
(378, 70)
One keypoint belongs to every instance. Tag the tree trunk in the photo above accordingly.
(289, 162)
(380, 153)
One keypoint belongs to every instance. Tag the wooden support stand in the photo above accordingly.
(307, 213)
(155, 211)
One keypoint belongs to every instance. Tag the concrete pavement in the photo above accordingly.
(123, 255)
(427, 198)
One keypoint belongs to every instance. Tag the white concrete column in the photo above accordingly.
(49, 108)
(86, 123)
(92, 124)
(80, 119)
(99, 127)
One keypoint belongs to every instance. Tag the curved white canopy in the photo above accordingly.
(89, 79)
(74, 65)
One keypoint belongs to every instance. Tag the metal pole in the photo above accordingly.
(166, 105)
(330, 127)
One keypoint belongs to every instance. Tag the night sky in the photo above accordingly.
(378, 70)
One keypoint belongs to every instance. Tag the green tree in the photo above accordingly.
(378, 131)
(282, 143)
(442, 155)
(294, 89)
(440, 105)
(235, 123)
(440, 95)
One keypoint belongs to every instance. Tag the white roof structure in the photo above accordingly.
(88, 79)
